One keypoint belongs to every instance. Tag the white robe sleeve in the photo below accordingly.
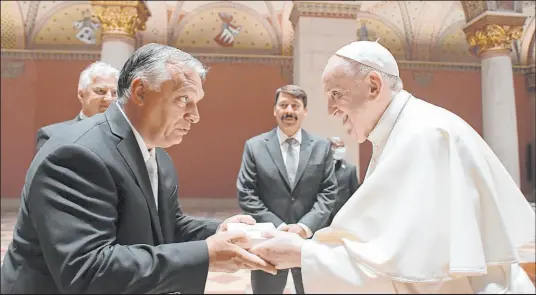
(436, 208)
(329, 269)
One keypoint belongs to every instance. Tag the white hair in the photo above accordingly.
(150, 63)
(353, 67)
(94, 70)
(393, 82)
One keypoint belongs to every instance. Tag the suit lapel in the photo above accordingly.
(305, 154)
(166, 189)
(274, 148)
(130, 151)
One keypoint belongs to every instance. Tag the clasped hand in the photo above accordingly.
(282, 249)
(228, 251)
(294, 228)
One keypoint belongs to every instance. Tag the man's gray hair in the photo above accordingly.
(94, 70)
(150, 63)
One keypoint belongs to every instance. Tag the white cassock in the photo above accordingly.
(437, 213)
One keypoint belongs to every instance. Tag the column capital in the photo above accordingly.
(494, 31)
(121, 17)
(323, 9)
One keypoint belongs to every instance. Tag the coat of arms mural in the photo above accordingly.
(86, 28)
(228, 32)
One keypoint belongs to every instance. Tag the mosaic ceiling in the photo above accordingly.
(412, 30)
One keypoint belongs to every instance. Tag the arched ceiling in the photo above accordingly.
(55, 30)
(413, 30)
(201, 29)
(12, 27)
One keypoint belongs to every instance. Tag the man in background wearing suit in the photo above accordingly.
(287, 178)
(97, 89)
(100, 210)
(346, 174)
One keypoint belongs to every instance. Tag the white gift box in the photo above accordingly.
(254, 232)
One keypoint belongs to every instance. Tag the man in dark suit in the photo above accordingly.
(346, 174)
(287, 178)
(100, 211)
(97, 89)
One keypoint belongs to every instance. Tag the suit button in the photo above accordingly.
(292, 199)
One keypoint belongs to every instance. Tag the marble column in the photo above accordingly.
(120, 21)
(490, 36)
(319, 30)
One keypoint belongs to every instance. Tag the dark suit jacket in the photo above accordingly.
(265, 192)
(44, 133)
(88, 221)
(348, 184)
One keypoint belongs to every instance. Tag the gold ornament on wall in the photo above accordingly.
(493, 37)
(121, 17)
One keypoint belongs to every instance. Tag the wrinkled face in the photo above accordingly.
(289, 112)
(350, 97)
(98, 95)
(166, 114)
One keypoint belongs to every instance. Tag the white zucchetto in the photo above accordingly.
(372, 54)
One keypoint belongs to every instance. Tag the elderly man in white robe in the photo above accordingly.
(437, 212)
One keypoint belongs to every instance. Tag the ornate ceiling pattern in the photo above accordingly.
(412, 30)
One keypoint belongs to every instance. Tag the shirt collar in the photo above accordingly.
(388, 119)
(82, 115)
(143, 147)
(282, 136)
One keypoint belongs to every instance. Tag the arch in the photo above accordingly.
(275, 24)
(287, 31)
(438, 46)
(532, 51)
(21, 17)
(66, 38)
(389, 25)
(471, 9)
(527, 42)
(263, 22)
(43, 19)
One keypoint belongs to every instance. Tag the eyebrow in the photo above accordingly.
(182, 89)
(330, 91)
(110, 85)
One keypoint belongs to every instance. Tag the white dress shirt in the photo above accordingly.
(147, 156)
(284, 147)
(82, 116)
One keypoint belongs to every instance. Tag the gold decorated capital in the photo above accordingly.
(494, 37)
(121, 17)
(492, 31)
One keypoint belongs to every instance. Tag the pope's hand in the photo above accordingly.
(281, 249)
(236, 219)
(295, 228)
(226, 254)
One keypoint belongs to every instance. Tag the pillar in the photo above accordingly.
(490, 37)
(531, 88)
(319, 30)
(120, 21)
